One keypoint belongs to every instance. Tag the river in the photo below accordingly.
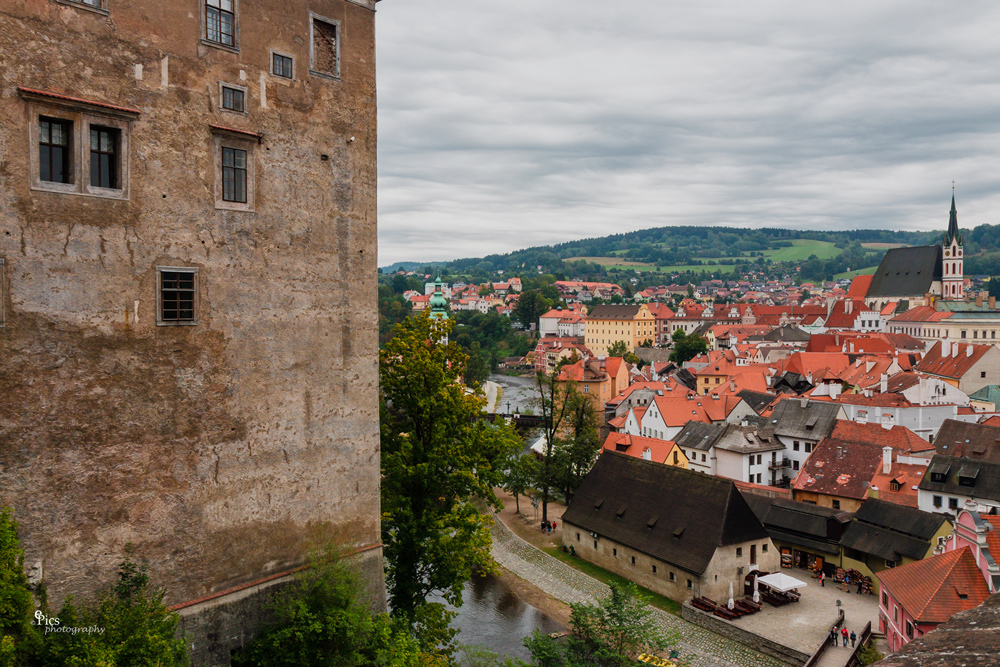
(492, 616)
(519, 393)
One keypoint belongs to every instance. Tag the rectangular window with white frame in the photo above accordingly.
(282, 65)
(221, 27)
(78, 147)
(234, 169)
(232, 98)
(324, 46)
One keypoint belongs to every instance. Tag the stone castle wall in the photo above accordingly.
(221, 450)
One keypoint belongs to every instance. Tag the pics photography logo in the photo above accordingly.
(54, 625)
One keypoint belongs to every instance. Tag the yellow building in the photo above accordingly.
(608, 324)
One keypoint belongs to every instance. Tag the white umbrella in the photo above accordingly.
(731, 602)
(782, 582)
(756, 594)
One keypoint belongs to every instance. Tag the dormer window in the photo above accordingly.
(967, 476)
(939, 472)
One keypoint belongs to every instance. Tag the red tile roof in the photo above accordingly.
(840, 468)
(951, 366)
(899, 438)
(635, 445)
(859, 286)
(930, 589)
(906, 475)
(66, 98)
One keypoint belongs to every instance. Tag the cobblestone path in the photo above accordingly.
(696, 645)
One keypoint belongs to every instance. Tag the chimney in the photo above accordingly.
(852, 347)
(886, 460)
(840, 451)
(992, 302)
(835, 389)
(968, 350)
(979, 299)
(883, 386)
(848, 307)
(803, 402)
(954, 349)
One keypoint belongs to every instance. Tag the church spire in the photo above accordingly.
(952, 222)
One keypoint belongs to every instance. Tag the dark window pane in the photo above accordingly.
(53, 150)
(177, 296)
(103, 157)
(58, 166)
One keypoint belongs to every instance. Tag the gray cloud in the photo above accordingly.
(509, 123)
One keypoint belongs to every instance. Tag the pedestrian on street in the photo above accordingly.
(833, 636)
(859, 586)
(843, 632)
(553, 525)
(822, 579)
(854, 638)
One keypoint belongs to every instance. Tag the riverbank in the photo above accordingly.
(522, 525)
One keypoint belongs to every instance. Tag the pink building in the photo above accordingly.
(979, 533)
(917, 597)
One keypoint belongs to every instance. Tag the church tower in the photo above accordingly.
(952, 277)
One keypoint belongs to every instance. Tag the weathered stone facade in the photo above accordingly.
(222, 448)
(667, 579)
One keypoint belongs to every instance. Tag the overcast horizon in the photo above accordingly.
(509, 124)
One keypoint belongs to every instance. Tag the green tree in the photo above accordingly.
(519, 475)
(17, 636)
(553, 408)
(611, 633)
(687, 347)
(439, 459)
(576, 452)
(619, 348)
(322, 621)
(994, 286)
(478, 368)
(137, 627)
(530, 306)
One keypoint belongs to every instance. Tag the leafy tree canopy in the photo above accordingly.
(687, 347)
(438, 460)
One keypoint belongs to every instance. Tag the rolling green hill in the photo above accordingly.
(678, 253)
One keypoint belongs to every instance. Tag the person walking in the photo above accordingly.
(843, 633)
(854, 638)
(822, 579)
(859, 585)
(833, 636)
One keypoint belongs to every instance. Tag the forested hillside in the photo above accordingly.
(721, 251)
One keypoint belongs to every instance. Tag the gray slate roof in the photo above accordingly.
(756, 400)
(974, 441)
(907, 271)
(674, 515)
(891, 531)
(804, 524)
(815, 421)
(613, 312)
(700, 436)
(985, 476)
(747, 440)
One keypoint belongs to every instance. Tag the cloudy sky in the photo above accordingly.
(510, 123)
